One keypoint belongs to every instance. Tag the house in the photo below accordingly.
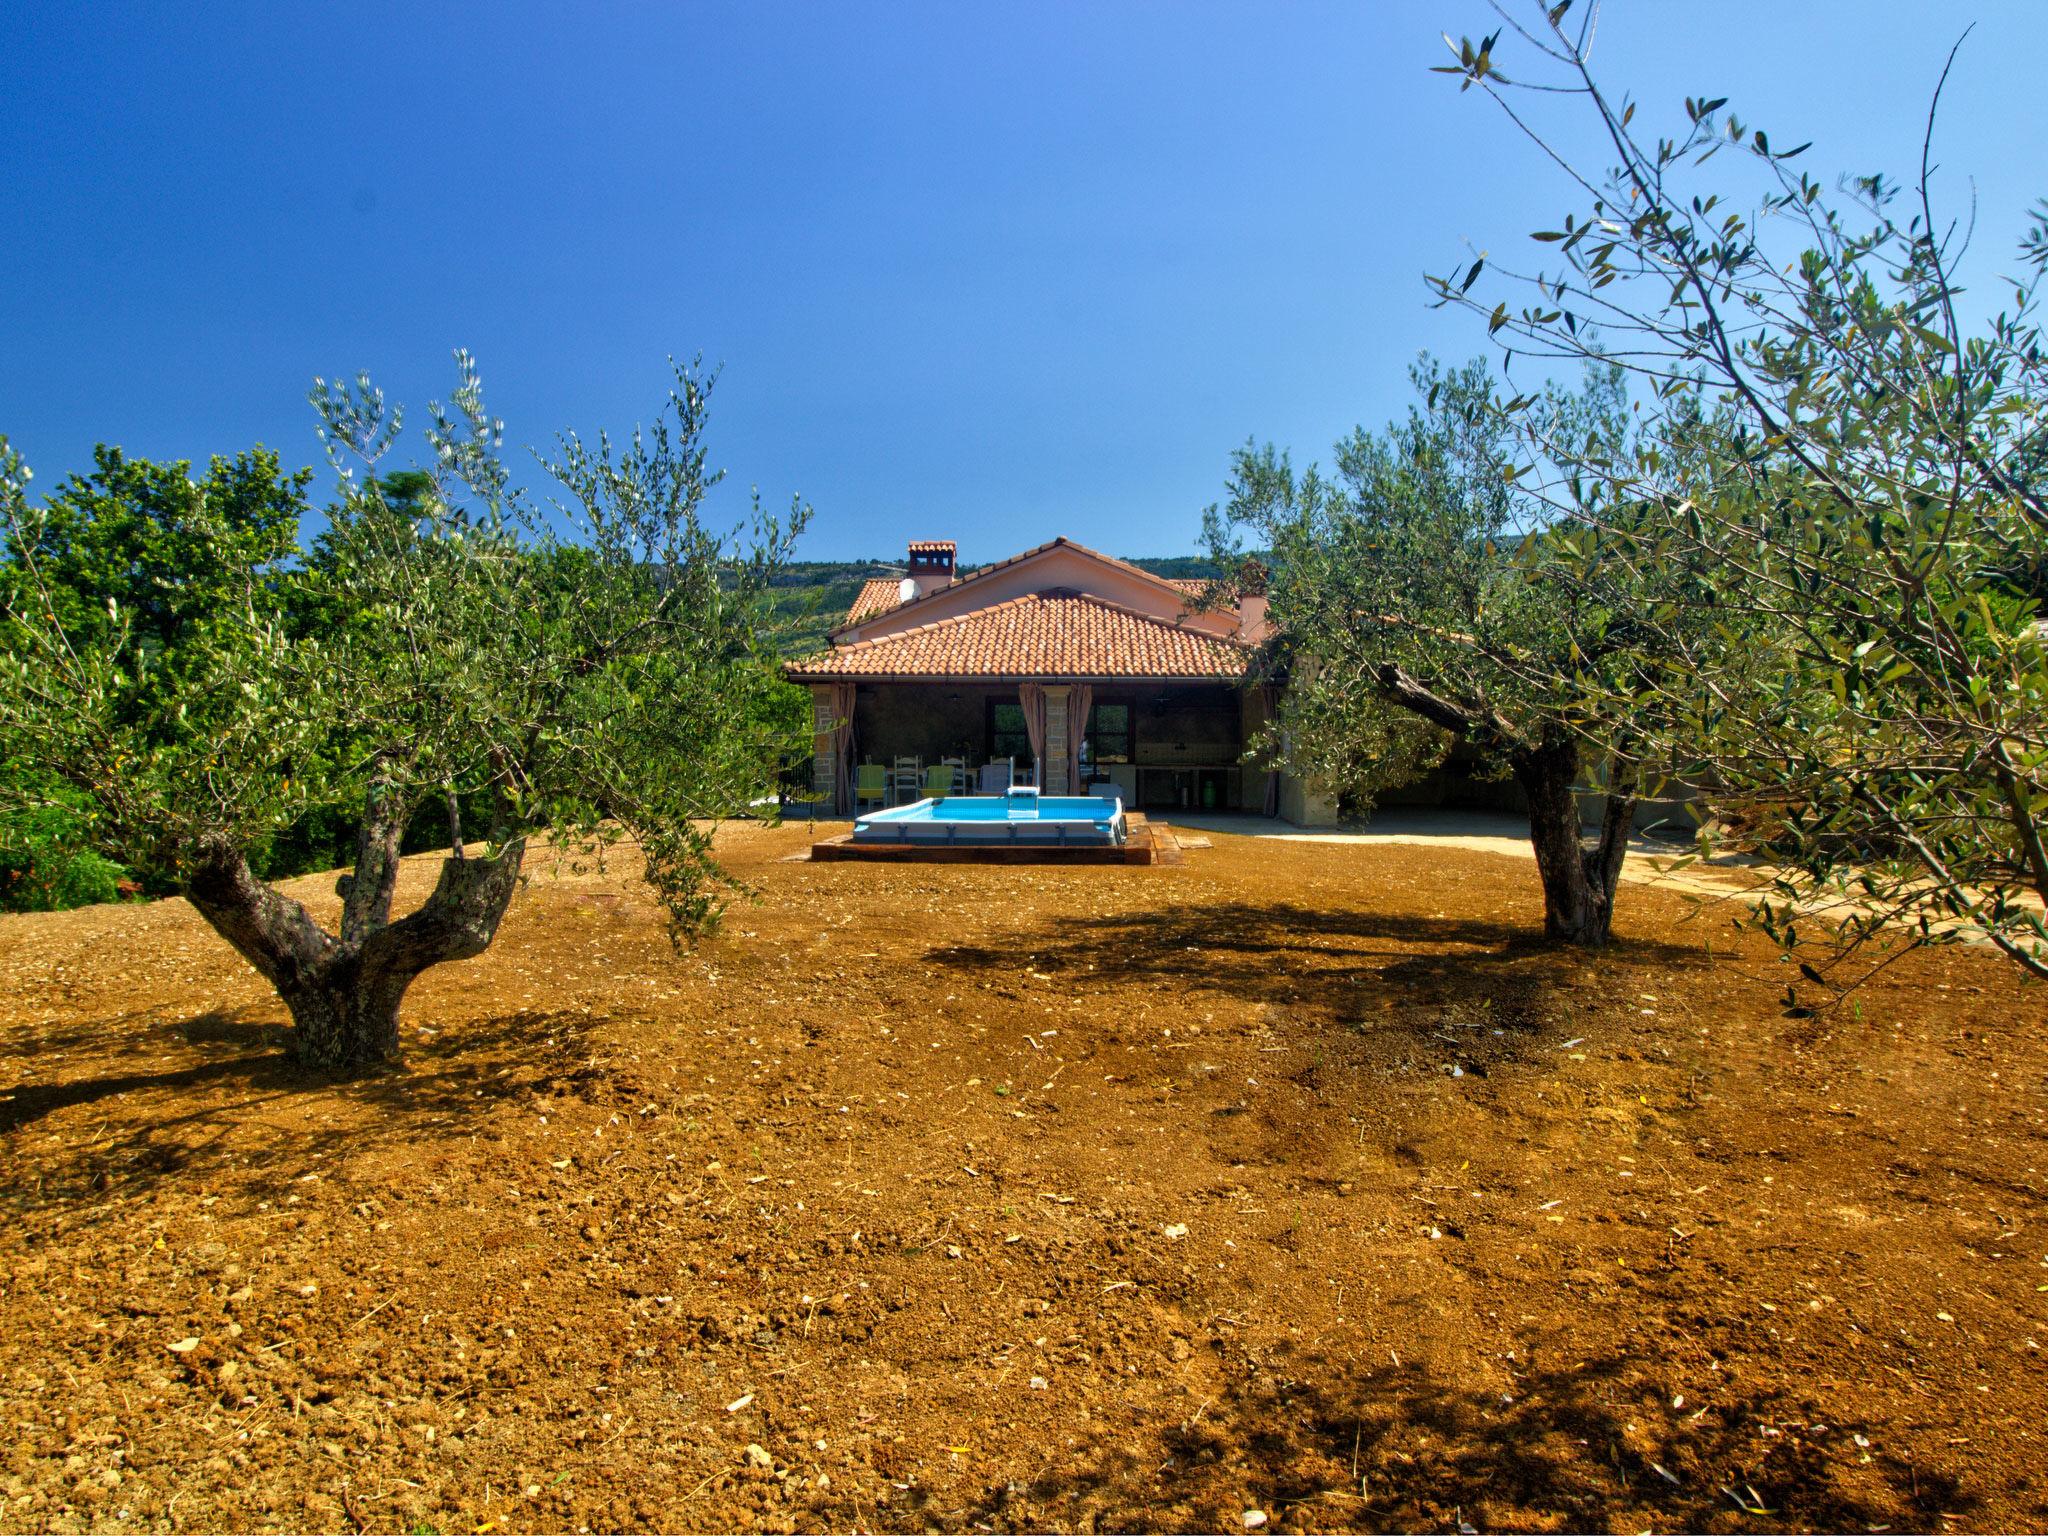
(1077, 667)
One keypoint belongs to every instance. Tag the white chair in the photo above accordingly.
(957, 766)
(996, 776)
(906, 780)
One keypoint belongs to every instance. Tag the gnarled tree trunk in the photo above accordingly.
(1578, 881)
(344, 992)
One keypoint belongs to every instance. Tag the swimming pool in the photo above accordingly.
(1022, 816)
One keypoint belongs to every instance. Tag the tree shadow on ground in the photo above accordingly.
(226, 1103)
(28, 1102)
(1590, 1447)
(1336, 961)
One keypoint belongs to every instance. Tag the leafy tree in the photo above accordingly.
(596, 683)
(1416, 603)
(165, 551)
(155, 545)
(1872, 498)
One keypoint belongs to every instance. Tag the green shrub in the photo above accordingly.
(43, 868)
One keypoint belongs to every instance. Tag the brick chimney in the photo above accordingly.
(931, 564)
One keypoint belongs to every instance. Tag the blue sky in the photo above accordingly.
(986, 272)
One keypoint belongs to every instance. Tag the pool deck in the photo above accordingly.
(1146, 842)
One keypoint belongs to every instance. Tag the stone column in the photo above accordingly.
(824, 761)
(1056, 726)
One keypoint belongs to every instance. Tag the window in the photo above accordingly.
(1007, 736)
(1109, 735)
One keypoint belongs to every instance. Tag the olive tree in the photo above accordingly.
(1418, 602)
(1872, 498)
(594, 667)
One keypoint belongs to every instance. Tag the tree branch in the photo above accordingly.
(1401, 688)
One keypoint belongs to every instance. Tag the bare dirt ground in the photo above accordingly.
(952, 1197)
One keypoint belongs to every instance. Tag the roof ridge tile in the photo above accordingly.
(1056, 542)
(1035, 634)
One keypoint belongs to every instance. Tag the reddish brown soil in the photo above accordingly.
(1284, 1180)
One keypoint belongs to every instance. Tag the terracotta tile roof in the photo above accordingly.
(854, 615)
(1049, 635)
(878, 595)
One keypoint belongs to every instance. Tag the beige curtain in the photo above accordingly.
(1032, 697)
(840, 698)
(1079, 698)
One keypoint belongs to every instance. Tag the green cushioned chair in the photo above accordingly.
(870, 782)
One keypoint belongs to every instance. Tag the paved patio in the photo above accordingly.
(1478, 832)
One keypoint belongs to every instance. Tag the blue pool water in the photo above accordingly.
(1000, 808)
(1018, 817)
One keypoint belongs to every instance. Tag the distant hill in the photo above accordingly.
(813, 595)
(1179, 567)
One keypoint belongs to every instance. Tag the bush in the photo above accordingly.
(43, 868)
